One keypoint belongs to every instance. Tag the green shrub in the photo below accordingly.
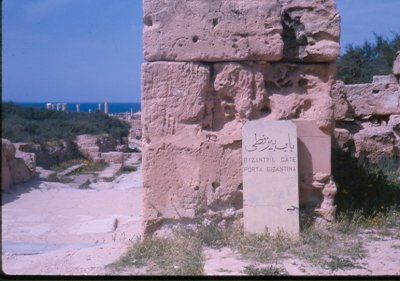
(26, 124)
(363, 186)
(360, 63)
(271, 270)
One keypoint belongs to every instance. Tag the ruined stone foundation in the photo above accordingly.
(213, 65)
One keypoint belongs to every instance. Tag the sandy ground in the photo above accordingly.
(383, 259)
(53, 229)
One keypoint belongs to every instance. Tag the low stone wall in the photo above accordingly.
(92, 146)
(52, 153)
(368, 119)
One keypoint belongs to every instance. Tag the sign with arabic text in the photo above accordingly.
(270, 176)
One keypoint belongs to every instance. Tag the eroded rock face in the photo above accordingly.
(367, 120)
(311, 30)
(213, 66)
(28, 157)
(253, 30)
(381, 97)
(375, 143)
(327, 209)
(342, 107)
(16, 166)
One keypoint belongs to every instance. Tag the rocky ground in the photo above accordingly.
(56, 229)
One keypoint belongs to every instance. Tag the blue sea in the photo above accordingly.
(113, 107)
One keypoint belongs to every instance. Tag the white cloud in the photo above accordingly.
(37, 10)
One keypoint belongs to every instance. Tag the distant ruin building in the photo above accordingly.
(211, 66)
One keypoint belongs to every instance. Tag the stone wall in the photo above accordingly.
(213, 65)
(368, 119)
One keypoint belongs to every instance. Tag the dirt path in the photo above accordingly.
(53, 229)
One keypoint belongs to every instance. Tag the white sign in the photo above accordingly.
(270, 177)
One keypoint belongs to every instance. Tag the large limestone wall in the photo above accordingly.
(213, 65)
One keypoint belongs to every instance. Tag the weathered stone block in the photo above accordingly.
(311, 30)
(16, 166)
(7, 149)
(29, 158)
(376, 143)
(19, 171)
(202, 30)
(113, 157)
(266, 30)
(188, 177)
(91, 146)
(382, 97)
(342, 107)
(174, 95)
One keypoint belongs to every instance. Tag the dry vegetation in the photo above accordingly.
(338, 246)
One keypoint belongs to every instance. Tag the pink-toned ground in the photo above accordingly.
(53, 229)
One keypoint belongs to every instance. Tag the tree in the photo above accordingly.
(359, 63)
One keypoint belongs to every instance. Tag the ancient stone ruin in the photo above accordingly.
(368, 119)
(211, 67)
(17, 165)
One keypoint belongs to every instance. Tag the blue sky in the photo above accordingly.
(91, 50)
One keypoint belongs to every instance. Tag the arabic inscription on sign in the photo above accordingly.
(263, 143)
(272, 162)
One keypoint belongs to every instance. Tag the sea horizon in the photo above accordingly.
(113, 107)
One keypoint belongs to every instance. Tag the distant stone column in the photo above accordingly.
(58, 106)
(64, 107)
(78, 107)
(106, 107)
(99, 107)
(48, 106)
(53, 106)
